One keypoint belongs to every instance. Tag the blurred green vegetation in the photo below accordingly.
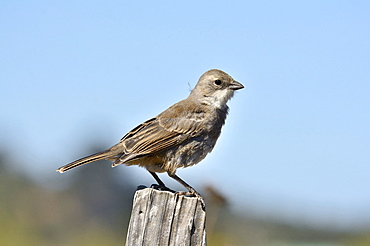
(93, 208)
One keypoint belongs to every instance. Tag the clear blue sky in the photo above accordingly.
(297, 140)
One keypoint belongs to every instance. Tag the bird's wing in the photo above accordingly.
(173, 127)
(186, 118)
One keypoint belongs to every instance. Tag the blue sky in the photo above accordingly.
(296, 142)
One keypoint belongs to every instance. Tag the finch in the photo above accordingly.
(180, 136)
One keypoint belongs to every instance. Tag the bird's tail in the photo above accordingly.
(91, 158)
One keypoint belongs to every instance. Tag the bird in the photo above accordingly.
(180, 136)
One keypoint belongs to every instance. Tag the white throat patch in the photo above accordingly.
(219, 98)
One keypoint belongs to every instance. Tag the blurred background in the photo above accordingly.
(290, 168)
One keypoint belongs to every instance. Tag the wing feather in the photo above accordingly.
(169, 129)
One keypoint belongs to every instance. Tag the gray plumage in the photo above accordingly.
(180, 136)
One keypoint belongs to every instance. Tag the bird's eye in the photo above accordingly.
(218, 82)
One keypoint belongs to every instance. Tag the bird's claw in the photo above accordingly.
(181, 193)
(193, 194)
(161, 187)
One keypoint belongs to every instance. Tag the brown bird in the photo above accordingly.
(180, 136)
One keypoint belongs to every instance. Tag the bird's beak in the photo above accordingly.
(235, 85)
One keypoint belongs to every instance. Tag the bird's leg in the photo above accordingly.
(160, 185)
(191, 190)
(159, 181)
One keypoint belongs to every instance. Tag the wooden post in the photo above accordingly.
(164, 218)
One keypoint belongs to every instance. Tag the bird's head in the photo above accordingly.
(215, 88)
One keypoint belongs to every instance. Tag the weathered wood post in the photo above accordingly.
(164, 218)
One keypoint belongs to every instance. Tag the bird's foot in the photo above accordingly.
(141, 187)
(193, 194)
(162, 187)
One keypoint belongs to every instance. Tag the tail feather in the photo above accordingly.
(85, 160)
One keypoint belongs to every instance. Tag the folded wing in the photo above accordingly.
(171, 128)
